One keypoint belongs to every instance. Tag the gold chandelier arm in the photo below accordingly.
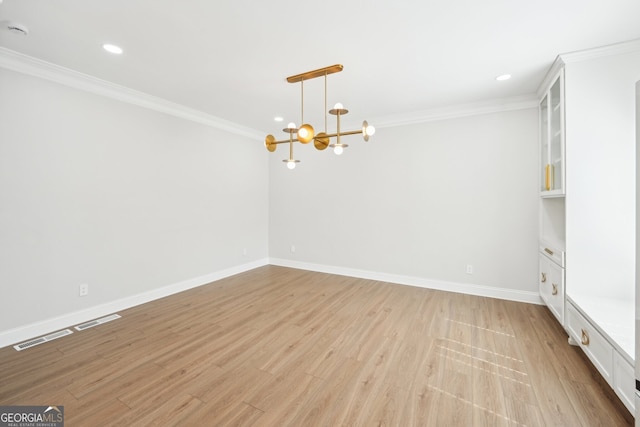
(330, 135)
(351, 132)
(284, 141)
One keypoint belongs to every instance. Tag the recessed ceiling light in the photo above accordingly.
(278, 119)
(503, 77)
(112, 48)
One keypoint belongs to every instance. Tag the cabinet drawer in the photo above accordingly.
(551, 286)
(624, 381)
(595, 346)
(555, 254)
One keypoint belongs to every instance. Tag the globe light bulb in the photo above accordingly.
(338, 149)
(291, 125)
(338, 106)
(303, 132)
(291, 164)
(370, 130)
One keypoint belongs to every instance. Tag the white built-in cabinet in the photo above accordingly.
(587, 206)
(552, 215)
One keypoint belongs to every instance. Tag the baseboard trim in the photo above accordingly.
(17, 335)
(23, 333)
(463, 288)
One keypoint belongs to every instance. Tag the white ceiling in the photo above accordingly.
(229, 58)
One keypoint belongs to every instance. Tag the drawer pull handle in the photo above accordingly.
(554, 290)
(544, 277)
(585, 337)
(549, 251)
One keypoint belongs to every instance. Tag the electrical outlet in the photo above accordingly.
(469, 269)
(83, 290)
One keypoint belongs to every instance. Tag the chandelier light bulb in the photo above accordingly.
(291, 164)
(305, 133)
(338, 149)
(291, 125)
(338, 106)
(370, 130)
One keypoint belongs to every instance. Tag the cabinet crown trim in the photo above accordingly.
(599, 52)
(583, 55)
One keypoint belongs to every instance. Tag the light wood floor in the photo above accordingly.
(284, 347)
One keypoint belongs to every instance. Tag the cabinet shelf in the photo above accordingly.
(551, 194)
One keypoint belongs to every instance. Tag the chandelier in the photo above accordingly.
(305, 133)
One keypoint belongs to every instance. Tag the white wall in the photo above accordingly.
(125, 199)
(419, 201)
(132, 202)
(600, 205)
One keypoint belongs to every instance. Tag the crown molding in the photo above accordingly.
(25, 64)
(460, 110)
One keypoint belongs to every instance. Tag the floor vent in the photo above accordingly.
(97, 322)
(41, 340)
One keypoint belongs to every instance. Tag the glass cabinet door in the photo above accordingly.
(552, 140)
(544, 144)
(555, 136)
